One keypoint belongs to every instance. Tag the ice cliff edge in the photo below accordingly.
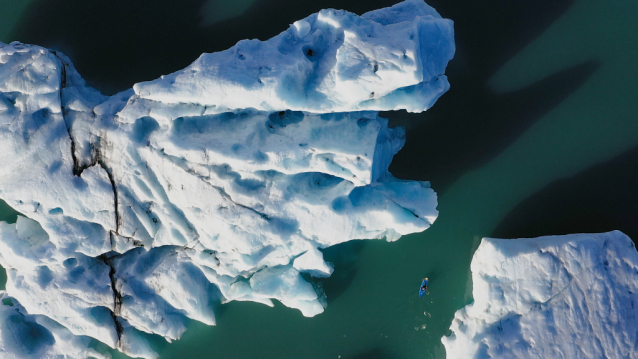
(219, 182)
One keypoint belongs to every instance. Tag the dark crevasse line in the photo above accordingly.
(77, 168)
(117, 298)
(77, 171)
(97, 158)
(109, 173)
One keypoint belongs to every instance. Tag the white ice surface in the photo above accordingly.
(387, 59)
(201, 187)
(571, 296)
(35, 336)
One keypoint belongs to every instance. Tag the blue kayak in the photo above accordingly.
(421, 290)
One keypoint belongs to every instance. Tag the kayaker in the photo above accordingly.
(425, 284)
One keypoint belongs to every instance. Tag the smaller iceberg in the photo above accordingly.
(571, 296)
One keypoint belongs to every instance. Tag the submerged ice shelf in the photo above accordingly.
(571, 296)
(216, 183)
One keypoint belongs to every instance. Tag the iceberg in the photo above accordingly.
(216, 183)
(570, 296)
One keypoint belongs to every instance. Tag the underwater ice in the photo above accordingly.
(571, 296)
(219, 182)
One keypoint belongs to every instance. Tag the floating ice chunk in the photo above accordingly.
(312, 262)
(570, 296)
(286, 285)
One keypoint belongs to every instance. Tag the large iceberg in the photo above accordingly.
(216, 183)
(572, 296)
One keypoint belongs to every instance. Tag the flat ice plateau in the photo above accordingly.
(572, 296)
(216, 183)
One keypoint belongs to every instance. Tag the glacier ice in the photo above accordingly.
(216, 183)
(36, 336)
(570, 296)
(332, 61)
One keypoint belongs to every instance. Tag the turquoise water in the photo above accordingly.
(538, 135)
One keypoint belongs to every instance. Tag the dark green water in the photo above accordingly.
(538, 136)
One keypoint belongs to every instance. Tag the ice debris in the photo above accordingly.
(219, 182)
(572, 296)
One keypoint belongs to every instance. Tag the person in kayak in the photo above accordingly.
(425, 284)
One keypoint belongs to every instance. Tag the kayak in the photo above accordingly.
(421, 290)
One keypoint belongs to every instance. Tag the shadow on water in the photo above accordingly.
(470, 124)
(434, 275)
(463, 132)
(489, 33)
(343, 258)
(115, 44)
(600, 199)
